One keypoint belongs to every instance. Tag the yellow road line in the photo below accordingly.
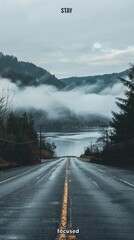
(63, 222)
(71, 225)
(71, 237)
(64, 206)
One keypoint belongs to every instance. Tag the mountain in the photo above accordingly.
(25, 73)
(60, 115)
(28, 74)
(68, 122)
(95, 84)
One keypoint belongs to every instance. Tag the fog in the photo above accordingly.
(81, 100)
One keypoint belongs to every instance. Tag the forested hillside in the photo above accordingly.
(28, 74)
(98, 82)
(25, 73)
(56, 106)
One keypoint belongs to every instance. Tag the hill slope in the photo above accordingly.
(97, 83)
(25, 73)
(28, 74)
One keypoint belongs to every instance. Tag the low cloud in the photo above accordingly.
(80, 101)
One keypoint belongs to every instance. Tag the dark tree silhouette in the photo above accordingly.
(123, 122)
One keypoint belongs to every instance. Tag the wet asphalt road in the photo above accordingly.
(100, 201)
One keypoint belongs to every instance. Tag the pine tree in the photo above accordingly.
(123, 122)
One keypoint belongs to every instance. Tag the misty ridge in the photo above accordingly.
(59, 104)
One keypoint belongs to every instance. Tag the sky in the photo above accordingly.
(96, 38)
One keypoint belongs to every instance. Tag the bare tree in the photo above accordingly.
(104, 139)
(6, 105)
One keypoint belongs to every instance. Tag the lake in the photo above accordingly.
(73, 143)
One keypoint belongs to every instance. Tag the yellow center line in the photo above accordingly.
(64, 206)
(71, 237)
(71, 225)
(63, 222)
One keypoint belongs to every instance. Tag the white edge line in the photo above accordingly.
(21, 174)
(118, 179)
(130, 184)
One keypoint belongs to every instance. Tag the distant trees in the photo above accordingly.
(46, 145)
(104, 140)
(88, 151)
(19, 142)
(6, 104)
(18, 138)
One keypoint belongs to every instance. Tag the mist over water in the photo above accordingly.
(72, 144)
(80, 100)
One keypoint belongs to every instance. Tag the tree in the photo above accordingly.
(104, 140)
(123, 122)
(6, 103)
(20, 141)
(46, 145)
(87, 151)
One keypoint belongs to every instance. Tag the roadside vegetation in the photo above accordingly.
(116, 144)
(19, 143)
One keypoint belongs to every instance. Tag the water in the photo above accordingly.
(73, 143)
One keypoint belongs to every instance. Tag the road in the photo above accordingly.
(37, 202)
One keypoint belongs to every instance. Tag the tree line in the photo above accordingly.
(116, 144)
(18, 139)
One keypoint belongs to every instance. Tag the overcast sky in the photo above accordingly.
(97, 38)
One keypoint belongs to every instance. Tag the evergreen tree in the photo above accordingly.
(123, 122)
